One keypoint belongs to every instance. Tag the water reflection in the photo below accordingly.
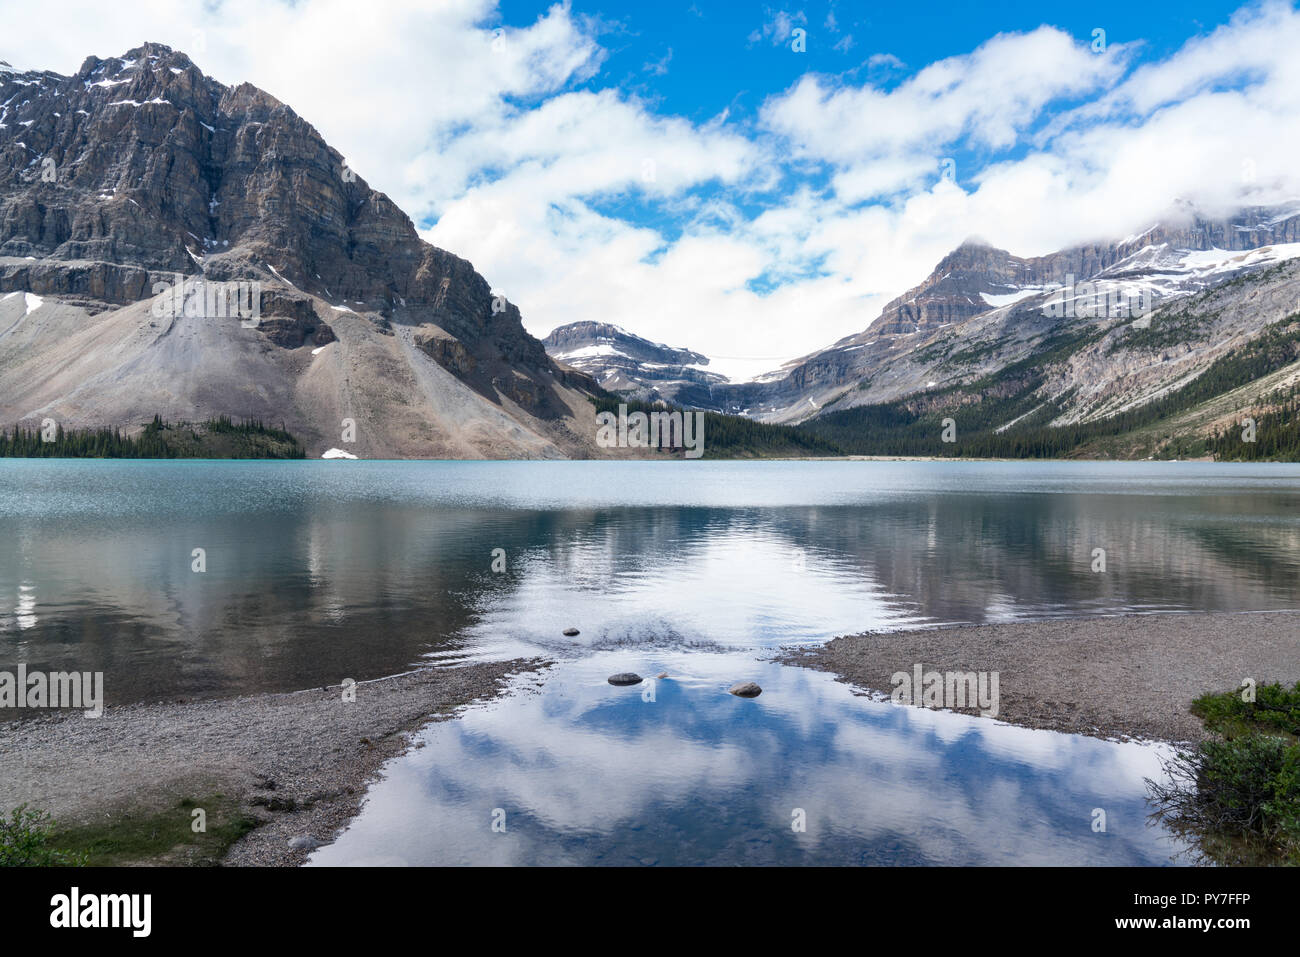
(586, 773)
(321, 570)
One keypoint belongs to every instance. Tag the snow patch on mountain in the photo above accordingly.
(997, 302)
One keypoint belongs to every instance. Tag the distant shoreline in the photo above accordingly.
(970, 458)
(1205, 460)
(1128, 677)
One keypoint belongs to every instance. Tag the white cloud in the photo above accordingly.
(771, 238)
(990, 96)
(660, 67)
(885, 60)
(779, 27)
(1216, 124)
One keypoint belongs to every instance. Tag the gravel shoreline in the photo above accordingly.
(299, 763)
(1125, 677)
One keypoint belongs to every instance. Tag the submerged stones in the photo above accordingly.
(571, 632)
(741, 689)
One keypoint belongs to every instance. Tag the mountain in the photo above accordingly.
(1084, 333)
(633, 367)
(140, 199)
(140, 169)
(1151, 344)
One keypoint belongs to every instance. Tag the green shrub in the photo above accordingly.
(24, 841)
(1237, 800)
(1236, 797)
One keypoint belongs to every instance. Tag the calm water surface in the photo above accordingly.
(318, 571)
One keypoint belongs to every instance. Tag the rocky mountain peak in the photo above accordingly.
(984, 302)
(631, 365)
(593, 338)
(142, 161)
(954, 291)
(140, 167)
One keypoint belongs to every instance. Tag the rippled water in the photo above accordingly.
(318, 571)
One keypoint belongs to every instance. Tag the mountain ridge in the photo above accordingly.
(1092, 334)
(139, 173)
(978, 284)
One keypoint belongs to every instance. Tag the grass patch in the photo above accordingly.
(1276, 709)
(167, 836)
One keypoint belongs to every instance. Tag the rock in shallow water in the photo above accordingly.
(570, 632)
(745, 689)
(625, 678)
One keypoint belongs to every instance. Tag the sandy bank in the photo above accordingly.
(1131, 676)
(298, 763)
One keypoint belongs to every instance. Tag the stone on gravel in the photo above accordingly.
(571, 632)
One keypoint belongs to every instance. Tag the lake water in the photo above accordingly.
(317, 571)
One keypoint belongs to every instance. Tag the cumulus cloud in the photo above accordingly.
(989, 96)
(753, 240)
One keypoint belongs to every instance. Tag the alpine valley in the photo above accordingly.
(1160, 344)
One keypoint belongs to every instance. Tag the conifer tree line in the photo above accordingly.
(1277, 435)
(894, 428)
(733, 436)
(158, 440)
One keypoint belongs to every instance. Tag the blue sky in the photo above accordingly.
(714, 65)
(701, 60)
(679, 170)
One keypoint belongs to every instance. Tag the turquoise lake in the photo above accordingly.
(318, 571)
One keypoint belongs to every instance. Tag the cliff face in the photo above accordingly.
(140, 167)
